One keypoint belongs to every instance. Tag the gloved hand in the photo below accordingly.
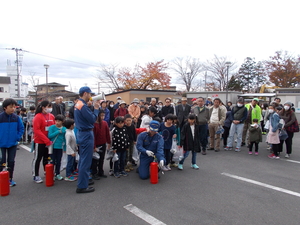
(150, 153)
(161, 163)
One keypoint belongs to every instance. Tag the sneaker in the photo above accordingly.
(37, 179)
(287, 156)
(168, 167)
(237, 150)
(75, 174)
(124, 174)
(95, 177)
(250, 153)
(243, 144)
(211, 149)
(272, 156)
(194, 166)
(180, 167)
(12, 183)
(228, 148)
(277, 157)
(58, 177)
(117, 175)
(165, 168)
(173, 165)
(111, 173)
(256, 153)
(70, 178)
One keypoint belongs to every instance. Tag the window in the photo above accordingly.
(1, 89)
(16, 89)
(16, 84)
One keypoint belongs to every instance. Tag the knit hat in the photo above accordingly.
(288, 103)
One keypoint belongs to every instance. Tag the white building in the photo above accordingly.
(15, 87)
(4, 88)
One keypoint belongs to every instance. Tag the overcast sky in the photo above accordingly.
(130, 32)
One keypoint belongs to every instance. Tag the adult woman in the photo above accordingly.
(289, 117)
(111, 111)
(42, 121)
(273, 135)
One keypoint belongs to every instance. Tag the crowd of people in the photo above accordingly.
(98, 130)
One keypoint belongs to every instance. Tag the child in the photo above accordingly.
(177, 132)
(167, 130)
(71, 149)
(255, 136)
(120, 144)
(23, 117)
(273, 135)
(11, 131)
(132, 141)
(147, 118)
(57, 135)
(30, 116)
(101, 138)
(190, 141)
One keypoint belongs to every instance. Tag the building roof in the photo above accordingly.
(258, 95)
(4, 80)
(52, 84)
(140, 90)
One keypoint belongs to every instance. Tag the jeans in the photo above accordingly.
(11, 154)
(70, 165)
(238, 129)
(56, 159)
(120, 164)
(186, 154)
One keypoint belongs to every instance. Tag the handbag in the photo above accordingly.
(50, 147)
(220, 130)
(283, 135)
(294, 127)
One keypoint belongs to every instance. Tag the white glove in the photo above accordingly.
(161, 163)
(150, 153)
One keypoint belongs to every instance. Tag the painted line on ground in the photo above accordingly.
(262, 184)
(143, 215)
(293, 161)
(25, 147)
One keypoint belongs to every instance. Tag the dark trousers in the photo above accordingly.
(288, 143)
(203, 129)
(120, 164)
(8, 155)
(167, 156)
(225, 135)
(97, 165)
(275, 149)
(251, 146)
(56, 159)
(41, 152)
(70, 165)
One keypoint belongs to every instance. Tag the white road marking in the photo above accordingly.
(262, 184)
(25, 147)
(143, 215)
(293, 161)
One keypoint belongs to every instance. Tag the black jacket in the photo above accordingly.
(186, 138)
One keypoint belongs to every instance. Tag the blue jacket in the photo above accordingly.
(84, 117)
(154, 144)
(60, 141)
(274, 120)
(11, 130)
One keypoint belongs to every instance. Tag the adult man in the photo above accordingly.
(182, 111)
(217, 117)
(150, 144)
(62, 104)
(278, 101)
(134, 110)
(57, 108)
(208, 101)
(167, 108)
(153, 103)
(84, 120)
(116, 106)
(254, 112)
(202, 114)
(238, 115)
(71, 111)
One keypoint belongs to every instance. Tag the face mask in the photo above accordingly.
(239, 105)
(271, 110)
(119, 101)
(286, 107)
(135, 104)
(48, 110)
(111, 106)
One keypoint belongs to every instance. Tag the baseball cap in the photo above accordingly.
(85, 89)
(256, 99)
(154, 125)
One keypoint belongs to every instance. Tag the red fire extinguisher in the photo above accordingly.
(49, 168)
(154, 173)
(4, 181)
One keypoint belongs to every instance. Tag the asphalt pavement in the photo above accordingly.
(229, 188)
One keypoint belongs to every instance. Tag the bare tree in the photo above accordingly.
(33, 81)
(218, 67)
(108, 74)
(187, 69)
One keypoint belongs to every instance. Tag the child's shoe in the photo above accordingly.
(272, 156)
(180, 167)
(256, 153)
(70, 178)
(117, 175)
(12, 183)
(127, 168)
(250, 153)
(37, 179)
(58, 177)
(124, 174)
(75, 174)
(194, 166)
(168, 167)
(111, 173)
(165, 168)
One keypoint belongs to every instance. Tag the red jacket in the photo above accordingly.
(120, 112)
(101, 134)
(40, 122)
